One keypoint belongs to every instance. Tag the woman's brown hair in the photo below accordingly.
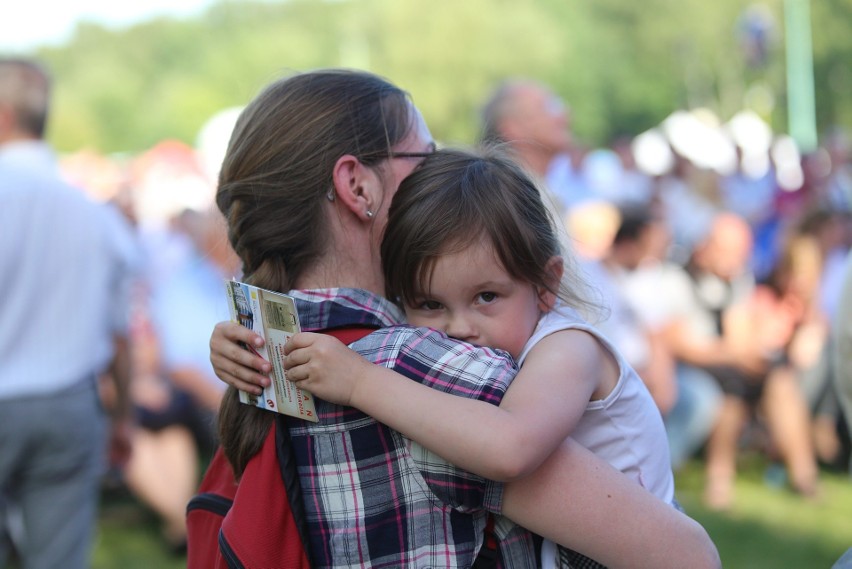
(274, 181)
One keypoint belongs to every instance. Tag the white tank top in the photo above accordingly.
(625, 428)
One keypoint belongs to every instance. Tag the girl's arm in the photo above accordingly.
(539, 410)
(576, 499)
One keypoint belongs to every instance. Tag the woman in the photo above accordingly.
(306, 184)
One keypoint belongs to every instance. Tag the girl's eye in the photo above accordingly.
(429, 305)
(487, 297)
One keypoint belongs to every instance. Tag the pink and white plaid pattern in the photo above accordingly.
(374, 498)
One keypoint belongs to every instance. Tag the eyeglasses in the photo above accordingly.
(391, 154)
(382, 155)
(410, 154)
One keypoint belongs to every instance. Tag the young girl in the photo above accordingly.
(469, 250)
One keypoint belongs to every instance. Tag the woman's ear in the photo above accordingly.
(553, 273)
(356, 187)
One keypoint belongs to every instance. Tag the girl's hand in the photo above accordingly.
(324, 366)
(234, 362)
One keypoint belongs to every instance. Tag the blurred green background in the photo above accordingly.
(623, 66)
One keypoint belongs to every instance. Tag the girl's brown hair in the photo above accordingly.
(457, 197)
(275, 178)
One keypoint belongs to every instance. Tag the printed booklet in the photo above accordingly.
(273, 316)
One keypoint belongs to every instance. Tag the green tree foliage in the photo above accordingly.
(832, 39)
(621, 66)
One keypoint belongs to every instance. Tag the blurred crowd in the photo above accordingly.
(714, 251)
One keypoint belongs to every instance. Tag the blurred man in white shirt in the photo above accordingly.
(65, 264)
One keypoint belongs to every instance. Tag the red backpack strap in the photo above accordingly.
(348, 334)
(266, 525)
(270, 483)
(205, 513)
(290, 479)
(219, 477)
(260, 530)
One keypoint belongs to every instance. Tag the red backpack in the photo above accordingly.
(258, 522)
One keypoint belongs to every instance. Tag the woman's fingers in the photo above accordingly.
(237, 333)
(232, 343)
(238, 368)
(235, 381)
(246, 357)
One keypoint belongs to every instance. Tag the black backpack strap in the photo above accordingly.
(231, 558)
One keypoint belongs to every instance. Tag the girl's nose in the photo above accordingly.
(461, 328)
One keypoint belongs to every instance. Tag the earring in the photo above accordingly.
(330, 195)
(369, 214)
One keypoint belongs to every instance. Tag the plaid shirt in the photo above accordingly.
(375, 498)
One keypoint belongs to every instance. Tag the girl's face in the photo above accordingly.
(471, 297)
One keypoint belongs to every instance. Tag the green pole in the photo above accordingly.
(800, 74)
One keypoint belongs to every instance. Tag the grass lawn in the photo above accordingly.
(771, 527)
(129, 537)
(768, 527)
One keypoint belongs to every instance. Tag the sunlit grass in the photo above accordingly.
(129, 538)
(770, 526)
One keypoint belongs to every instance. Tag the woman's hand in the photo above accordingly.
(234, 360)
(324, 366)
